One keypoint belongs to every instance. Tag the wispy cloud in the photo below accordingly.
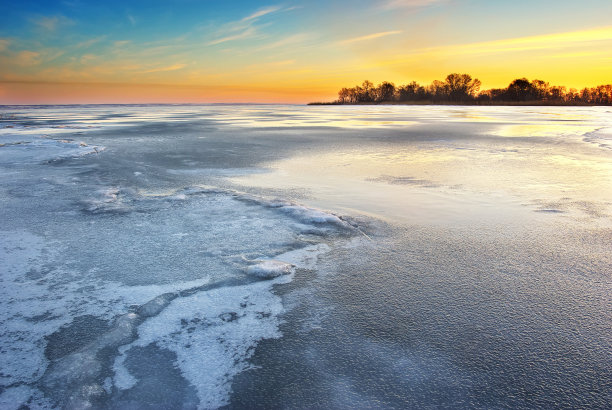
(246, 28)
(90, 42)
(121, 43)
(131, 19)
(51, 23)
(27, 58)
(545, 41)
(581, 54)
(4, 43)
(261, 12)
(396, 4)
(87, 58)
(567, 42)
(173, 67)
(371, 36)
(247, 33)
(282, 63)
(286, 41)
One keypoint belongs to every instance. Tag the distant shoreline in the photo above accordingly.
(462, 89)
(472, 103)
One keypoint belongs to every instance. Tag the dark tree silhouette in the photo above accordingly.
(521, 90)
(411, 92)
(385, 92)
(367, 92)
(463, 89)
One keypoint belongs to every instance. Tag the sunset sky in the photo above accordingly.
(130, 51)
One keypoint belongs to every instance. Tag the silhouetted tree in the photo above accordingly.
(462, 88)
(344, 96)
(521, 90)
(541, 88)
(366, 92)
(558, 93)
(411, 92)
(385, 92)
(437, 91)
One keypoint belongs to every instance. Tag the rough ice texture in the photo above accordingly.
(308, 215)
(270, 269)
(35, 302)
(28, 149)
(13, 398)
(602, 137)
(115, 260)
(213, 334)
(35, 274)
(109, 200)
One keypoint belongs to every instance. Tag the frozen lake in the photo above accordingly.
(187, 256)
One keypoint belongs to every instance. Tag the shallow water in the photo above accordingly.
(291, 256)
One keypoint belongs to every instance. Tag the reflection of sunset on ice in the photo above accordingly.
(198, 254)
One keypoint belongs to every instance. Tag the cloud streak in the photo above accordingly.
(545, 41)
(371, 36)
(27, 58)
(261, 13)
(248, 33)
(286, 41)
(559, 45)
(90, 42)
(412, 4)
(51, 23)
(4, 44)
(173, 67)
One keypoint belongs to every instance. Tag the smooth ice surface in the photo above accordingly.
(291, 256)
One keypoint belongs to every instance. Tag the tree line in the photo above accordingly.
(463, 89)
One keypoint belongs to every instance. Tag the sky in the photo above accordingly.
(202, 51)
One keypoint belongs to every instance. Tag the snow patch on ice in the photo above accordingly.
(213, 334)
(41, 293)
(13, 398)
(269, 269)
(109, 200)
(23, 397)
(306, 214)
(303, 214)
(601, 137)
(123, 379)
(37, 297)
